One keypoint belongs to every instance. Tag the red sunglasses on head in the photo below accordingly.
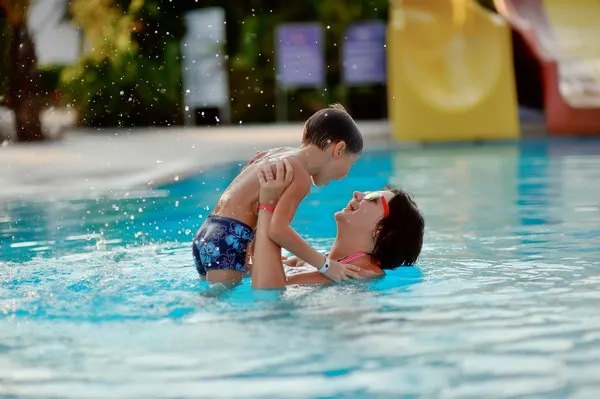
(374, 195)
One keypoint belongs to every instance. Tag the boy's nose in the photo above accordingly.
(358, 195)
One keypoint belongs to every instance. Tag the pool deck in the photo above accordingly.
(89, 163)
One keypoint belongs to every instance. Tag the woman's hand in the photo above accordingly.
(293, 261)
(339, 272)
(271, 187)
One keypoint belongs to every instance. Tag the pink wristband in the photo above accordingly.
(268, 208)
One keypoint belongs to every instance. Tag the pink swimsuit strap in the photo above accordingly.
(352, 257)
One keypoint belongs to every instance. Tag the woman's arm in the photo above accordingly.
(293, 261)
(267, 266)
(267, 269)
(311, 277)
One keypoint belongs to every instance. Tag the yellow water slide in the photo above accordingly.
(450, 72)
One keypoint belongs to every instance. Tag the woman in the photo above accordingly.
(376, 231)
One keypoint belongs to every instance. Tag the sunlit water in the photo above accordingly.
(100, 298)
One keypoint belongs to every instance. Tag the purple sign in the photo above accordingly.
(363, 54)
(299, 51)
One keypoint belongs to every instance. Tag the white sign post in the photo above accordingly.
(205, 83)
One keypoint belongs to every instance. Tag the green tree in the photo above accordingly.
(22, 85)
(251, 26)
(131, 73)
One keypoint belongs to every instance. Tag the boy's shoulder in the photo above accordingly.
(291, 154)
(301, 175)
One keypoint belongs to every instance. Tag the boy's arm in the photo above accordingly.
(280, 230)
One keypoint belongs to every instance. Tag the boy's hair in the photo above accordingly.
(331, 125)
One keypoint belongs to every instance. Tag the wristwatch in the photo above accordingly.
(326, 266)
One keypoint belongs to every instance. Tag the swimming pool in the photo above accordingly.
(100, 298)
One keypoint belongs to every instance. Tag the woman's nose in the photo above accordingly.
(358, 195)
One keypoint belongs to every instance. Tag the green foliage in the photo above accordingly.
(132, 73)
(50, 83)
(251, 28)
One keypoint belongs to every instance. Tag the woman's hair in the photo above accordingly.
(399, 235)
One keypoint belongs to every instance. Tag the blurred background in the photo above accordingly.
(105, 63)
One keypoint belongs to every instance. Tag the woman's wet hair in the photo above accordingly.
(399, 237)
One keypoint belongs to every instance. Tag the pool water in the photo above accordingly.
(100, 298)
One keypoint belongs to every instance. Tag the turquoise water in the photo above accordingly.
(99, 298)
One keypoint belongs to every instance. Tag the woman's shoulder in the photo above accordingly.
(369, 265)
(370, 269)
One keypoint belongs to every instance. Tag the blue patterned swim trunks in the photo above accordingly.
(221, 244)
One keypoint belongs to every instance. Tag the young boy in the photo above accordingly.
(331, 144)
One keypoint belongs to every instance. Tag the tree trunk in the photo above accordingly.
(24, 85)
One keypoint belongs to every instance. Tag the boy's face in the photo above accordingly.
(336, 169)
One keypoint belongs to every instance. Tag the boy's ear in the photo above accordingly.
(339, 149)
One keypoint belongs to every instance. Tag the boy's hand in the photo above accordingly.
(340, 272)
(271, 187)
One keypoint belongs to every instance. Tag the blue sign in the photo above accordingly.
(363, 54)
(299, 52)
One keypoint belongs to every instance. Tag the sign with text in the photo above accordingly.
(299, 51)
(204, 63)
(363, 54)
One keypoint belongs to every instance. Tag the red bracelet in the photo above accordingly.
(268, 208)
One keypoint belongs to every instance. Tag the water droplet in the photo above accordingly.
(217, 119)
(176, 178)
(140, 210)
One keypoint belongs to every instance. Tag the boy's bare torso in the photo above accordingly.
(240, 199)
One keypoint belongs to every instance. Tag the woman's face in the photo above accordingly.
(365, 210)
